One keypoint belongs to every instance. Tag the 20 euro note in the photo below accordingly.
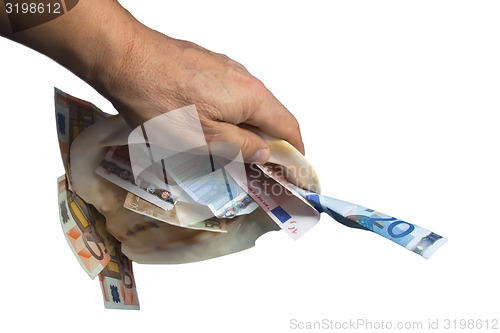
(143, 207)
(78, 221)
(417, 239)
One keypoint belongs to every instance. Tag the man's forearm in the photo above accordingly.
(89, 40)
(145, 74)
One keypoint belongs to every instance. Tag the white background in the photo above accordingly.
(398, 103)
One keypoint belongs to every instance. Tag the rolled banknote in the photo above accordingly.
(417, 239)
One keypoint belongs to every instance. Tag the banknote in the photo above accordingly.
(117, 278)
(242, 207)
(417, 239)
(97, 251)
(78, 221)
(117, 169)
(174, 148)
(287, 209)
(73, 116)
(83, 226)
(143, 207)
(208, 183)
(197, 180)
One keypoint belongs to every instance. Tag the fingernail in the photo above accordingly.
(260, 156)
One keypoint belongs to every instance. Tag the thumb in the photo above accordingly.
(253, 147)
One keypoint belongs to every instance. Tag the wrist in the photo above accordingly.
(91, 40)
(100, 53)
(126, 72)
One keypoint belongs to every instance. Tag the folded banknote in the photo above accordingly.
(417, 239)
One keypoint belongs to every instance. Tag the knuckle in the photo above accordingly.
(246, 147)
(256, 86)
(238, 65)
(212, 133)
(223, 56)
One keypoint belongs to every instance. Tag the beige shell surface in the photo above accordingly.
(297, 170)
(146, 240)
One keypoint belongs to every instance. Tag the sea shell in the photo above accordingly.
(146, 240)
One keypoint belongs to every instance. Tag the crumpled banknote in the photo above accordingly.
(417, 239)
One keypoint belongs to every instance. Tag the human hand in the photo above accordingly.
(158, 74)
(145, 73)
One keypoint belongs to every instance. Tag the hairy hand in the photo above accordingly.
(158, 74)
(145, 73)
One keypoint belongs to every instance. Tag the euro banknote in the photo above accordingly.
(417, 239)
(215, 190)
(207, 183)
(84, 227)
(117, 169)
(78, 221)
(117, 278)
(97, 251)
(292, 213)
(143, 207)
(73, 116)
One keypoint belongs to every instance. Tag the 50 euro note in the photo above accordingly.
(73, 116)
(97, 251)
(411, 236)
(78, 221)
(117, 278)
(143, 207)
